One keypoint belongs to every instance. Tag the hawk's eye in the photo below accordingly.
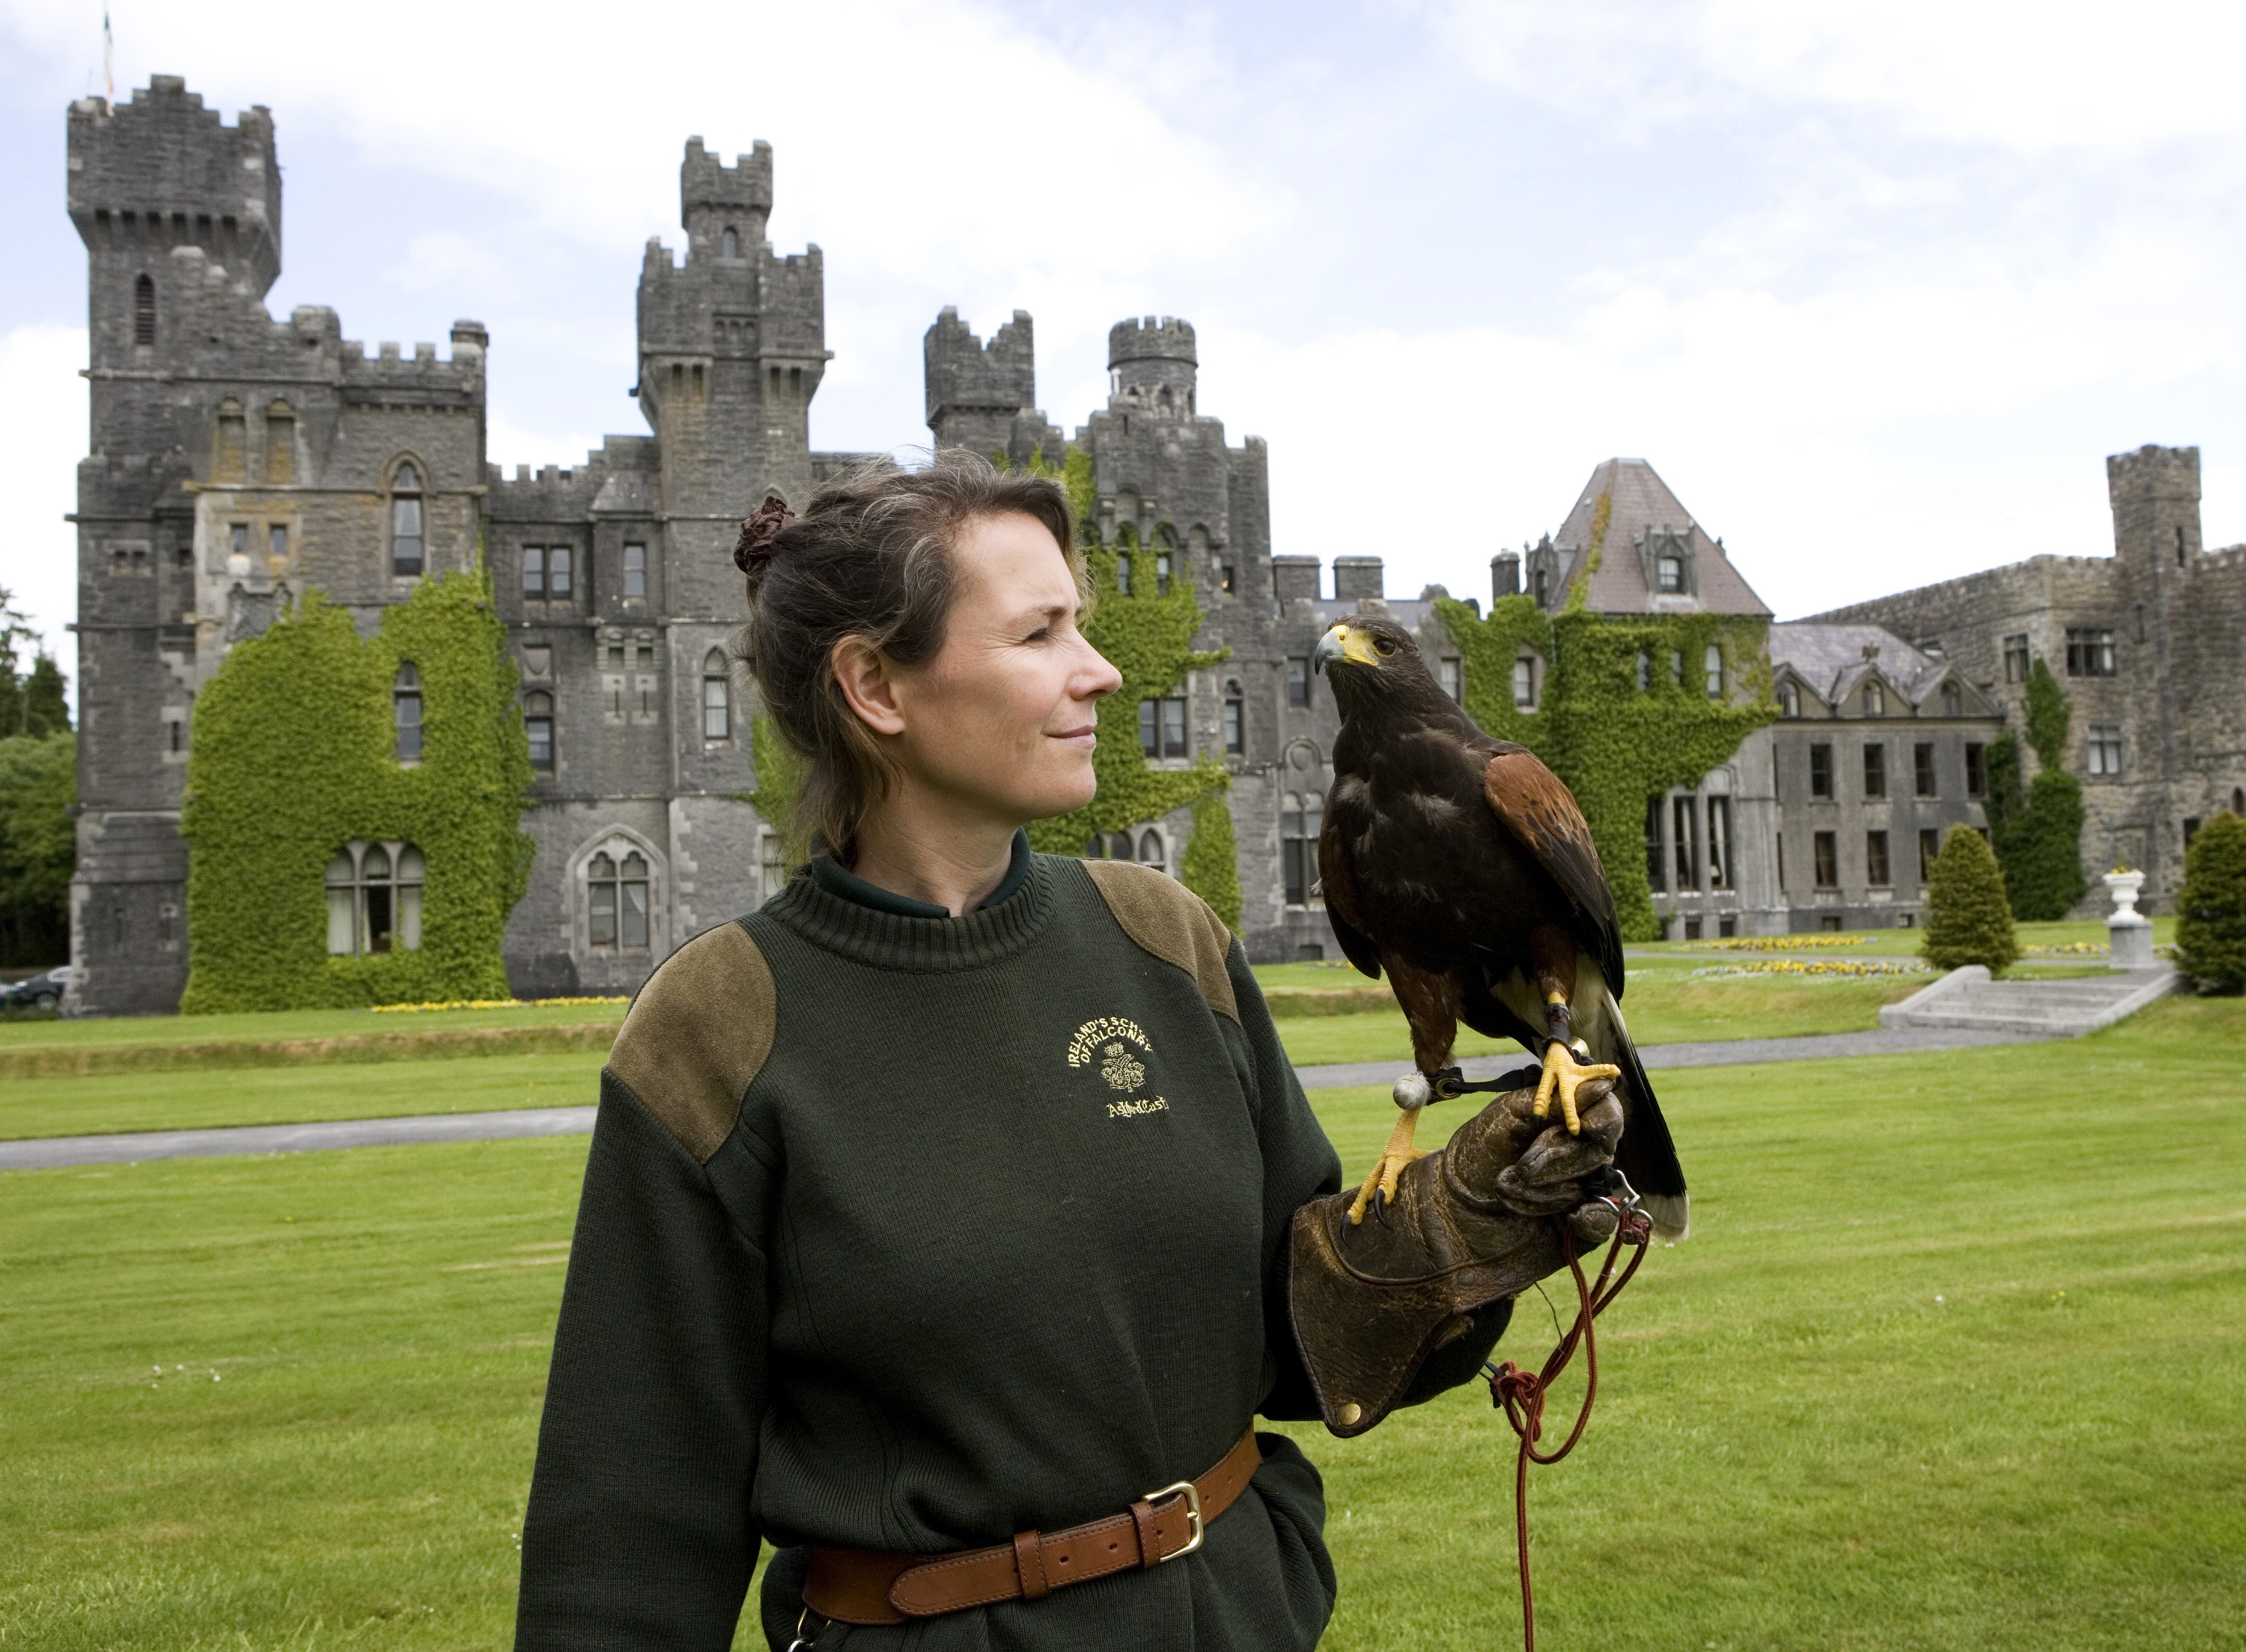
(1384, 646)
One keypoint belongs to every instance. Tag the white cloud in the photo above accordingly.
(43, 425)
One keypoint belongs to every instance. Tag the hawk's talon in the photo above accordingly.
(1564, 1074)
(1380, 1185)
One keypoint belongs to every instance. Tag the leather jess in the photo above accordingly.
(871, 1587)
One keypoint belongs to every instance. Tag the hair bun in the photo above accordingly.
(755, 548)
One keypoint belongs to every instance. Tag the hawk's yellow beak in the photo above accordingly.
(1344, 643)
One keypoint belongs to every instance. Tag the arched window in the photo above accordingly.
(405, 520)
(1953, 700)
(144, 311)
(405, 710)
(1299, 820)
(1150, 850)
(1236, 716)
(1875, 702)
(729, 244)
(538, 723)
(717, 697)
(1713, 663)
(374, 898)
(1789, 700)
(230, 445)
(280, 443)
(615, 900)
(1524, 684)
(1644, 671)
(1166, 548)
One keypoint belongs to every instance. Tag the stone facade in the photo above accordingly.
(1188, 506)
(2150, 645)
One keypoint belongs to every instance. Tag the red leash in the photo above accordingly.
(1521, 1394)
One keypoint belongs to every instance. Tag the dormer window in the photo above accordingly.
(1875, 700)
(406, 542)
(1789, 700)
(1953, 700)
(1671, 571)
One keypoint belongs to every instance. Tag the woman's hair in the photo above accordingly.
(870, 557)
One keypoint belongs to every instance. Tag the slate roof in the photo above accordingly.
(1831, 660)
(1643, 502)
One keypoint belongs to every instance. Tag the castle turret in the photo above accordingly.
(981, 397)
(2155, 492)
(724, 208)
(1152, 365)
(157, 174)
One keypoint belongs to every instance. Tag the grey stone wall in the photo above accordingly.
(2177, 613)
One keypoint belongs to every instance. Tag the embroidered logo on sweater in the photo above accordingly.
(1106, 1043)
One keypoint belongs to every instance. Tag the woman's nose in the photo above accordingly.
(1102, 679)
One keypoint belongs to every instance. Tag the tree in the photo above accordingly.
(2038, 832)
(2211, 907)
(38, 847)
(1969, 920)
(31, 705)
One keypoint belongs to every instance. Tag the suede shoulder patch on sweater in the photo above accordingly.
(698, 1033)
(1171, 922)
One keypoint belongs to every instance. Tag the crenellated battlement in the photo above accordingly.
(1166, 339)
(162, 171)
(965, 375)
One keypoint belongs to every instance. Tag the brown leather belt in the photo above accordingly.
(868, 1587)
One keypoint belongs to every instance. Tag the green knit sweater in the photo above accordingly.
(910, 1233)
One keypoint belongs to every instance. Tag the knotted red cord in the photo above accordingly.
(1521, 1394)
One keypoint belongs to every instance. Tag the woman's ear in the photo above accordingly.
(867, 681)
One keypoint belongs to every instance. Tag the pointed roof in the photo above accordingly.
(1644, 520)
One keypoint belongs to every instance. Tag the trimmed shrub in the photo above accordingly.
(2211, 907)
(1969, 920)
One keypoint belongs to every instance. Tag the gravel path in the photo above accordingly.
(54, 1151)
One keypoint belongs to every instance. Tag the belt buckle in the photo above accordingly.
(1191, 1492)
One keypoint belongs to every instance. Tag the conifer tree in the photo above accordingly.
(2037, 832)
(2211, 907)
(1969, 920)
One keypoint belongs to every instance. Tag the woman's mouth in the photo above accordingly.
(1085, 737)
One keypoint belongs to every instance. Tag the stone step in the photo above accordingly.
(1968, 999)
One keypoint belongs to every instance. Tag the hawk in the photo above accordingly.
(1460, 866)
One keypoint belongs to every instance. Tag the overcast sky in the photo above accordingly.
(1876, 288)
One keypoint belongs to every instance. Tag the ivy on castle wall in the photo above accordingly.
(295, 753)
(1148, 636)
(2037, 829)
(1615, 743)
(780, 773)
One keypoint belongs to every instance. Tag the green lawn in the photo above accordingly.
(1956, 1358)
(201, 1097)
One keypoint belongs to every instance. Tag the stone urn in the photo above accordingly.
(2129, 930)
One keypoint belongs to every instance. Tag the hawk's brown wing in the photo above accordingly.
(1542, 813)
(1339, 885)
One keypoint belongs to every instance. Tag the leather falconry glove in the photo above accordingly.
(1471, 1224)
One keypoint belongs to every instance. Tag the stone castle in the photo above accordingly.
(238, 461)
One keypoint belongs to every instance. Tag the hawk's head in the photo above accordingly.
(1372, 659)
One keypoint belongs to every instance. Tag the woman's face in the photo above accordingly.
(1001, 722)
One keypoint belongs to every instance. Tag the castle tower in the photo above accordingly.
(733, 345)
(2155, 492)
(982, 397)
(180, 216)
(1151, 366)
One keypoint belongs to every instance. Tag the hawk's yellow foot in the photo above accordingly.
(1399, 1152)
(1563, 1075)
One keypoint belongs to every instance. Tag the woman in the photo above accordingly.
(939, 1217)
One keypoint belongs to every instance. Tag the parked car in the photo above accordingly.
(40, 992)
